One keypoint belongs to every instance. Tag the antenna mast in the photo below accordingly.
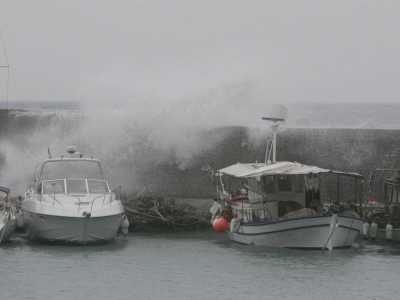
(5, 66)
(274, 127)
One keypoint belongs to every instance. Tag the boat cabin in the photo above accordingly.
(268, 192)
(391, 191)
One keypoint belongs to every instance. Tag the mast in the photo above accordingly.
(275, 126)
(5, 66)
(274, 134)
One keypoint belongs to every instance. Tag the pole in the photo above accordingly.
(274, 134)
(338, 188)
(361, 197)
(274, 127)
(355, 190)
(266, 153)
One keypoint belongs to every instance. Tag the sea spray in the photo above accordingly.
(164, 148)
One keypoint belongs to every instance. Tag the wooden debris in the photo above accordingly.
(158, 212)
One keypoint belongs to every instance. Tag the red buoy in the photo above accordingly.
(220, 224)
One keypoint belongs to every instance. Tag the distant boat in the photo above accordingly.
(7, 216)
(287, 204)
(383, 219)
(70, 201)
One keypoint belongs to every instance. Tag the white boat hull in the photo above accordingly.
(80, 230)
(309, 232)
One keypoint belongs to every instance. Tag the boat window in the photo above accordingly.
(395, 194)
(254, 186)
(269, 184)
(97, 186)
(285, 207)
(299, 183)
(389, 191)
(3, 196)
(53, 187)
(398, 194)
(76, 186)
(284, 183)
(72, 169)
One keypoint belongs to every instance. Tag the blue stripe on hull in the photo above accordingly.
(283, 230)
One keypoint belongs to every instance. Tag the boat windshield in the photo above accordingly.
(71, 169)
(75, 186)
(53, 187)
(97, 186)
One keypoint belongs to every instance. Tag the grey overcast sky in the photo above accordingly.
(298, 50)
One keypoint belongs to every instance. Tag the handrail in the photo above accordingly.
(247, 213)
(94, 199)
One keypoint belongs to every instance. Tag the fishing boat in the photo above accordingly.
(383, 206)
(7, 215)
(287, 204)
(70, 201)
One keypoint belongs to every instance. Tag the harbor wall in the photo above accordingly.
(353, 150)
(140, 165)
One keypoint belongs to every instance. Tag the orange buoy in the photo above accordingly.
(220, 224)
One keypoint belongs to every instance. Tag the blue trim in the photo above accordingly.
(349, 217)
(292, 219)
(279, 221)
(283, 230)
(349, 228)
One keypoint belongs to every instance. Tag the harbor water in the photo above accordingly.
(200, 265)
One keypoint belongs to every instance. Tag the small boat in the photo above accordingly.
(70, 201)
(383, 206)
(7, 216)
(287, 204)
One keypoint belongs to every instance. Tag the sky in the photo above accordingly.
(289, 51)
(183, 66)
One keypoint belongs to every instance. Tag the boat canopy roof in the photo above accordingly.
(393, 181)
(248, 170)
(4, 189)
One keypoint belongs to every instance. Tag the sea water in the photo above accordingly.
(195, 265)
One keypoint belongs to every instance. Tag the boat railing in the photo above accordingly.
(252, 214)
(103, 197)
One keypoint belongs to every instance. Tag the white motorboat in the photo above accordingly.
(287, 204)
(7, 216)
(70, 201)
